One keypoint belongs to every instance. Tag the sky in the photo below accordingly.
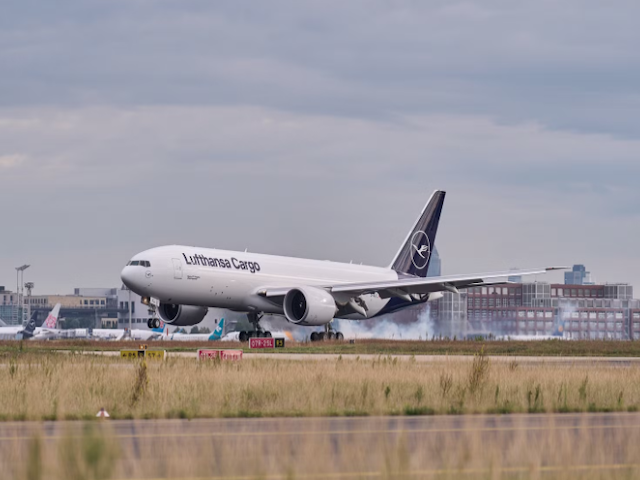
(318, 129)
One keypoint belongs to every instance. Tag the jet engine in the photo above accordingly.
(309, 306)
(181, 315)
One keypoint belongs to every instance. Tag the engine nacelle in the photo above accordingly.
(309, 306)
(181, 315)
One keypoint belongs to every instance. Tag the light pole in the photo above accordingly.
(29, 286)
(19, 274)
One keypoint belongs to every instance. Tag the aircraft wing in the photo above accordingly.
(419, 285)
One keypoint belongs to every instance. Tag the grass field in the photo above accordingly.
(37, 386)
(588, 348)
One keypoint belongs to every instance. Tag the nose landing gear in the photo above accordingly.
(153, 323)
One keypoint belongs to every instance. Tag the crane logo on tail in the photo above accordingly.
(421, 247)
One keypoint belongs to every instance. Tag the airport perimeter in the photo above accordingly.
(315, 415)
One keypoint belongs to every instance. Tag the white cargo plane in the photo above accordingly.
(183, 282)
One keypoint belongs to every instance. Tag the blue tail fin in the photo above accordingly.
(415, 254)
(219, 331)
(29, 330)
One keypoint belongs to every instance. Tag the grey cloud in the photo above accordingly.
(569, 65)
(101, 183)
(317, 129)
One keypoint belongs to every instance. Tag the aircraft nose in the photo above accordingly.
(128, 277)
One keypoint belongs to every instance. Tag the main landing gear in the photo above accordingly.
(257, 332)
(328, 334)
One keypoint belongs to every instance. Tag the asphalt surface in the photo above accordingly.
(348, 447)
(530, 360)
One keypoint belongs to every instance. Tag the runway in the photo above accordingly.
(443, 358)
(345, 447)
(524, 360)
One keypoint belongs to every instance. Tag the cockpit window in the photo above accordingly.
(141, 263)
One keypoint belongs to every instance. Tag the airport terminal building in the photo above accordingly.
(541, 309)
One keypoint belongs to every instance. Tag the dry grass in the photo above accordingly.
(70, 386)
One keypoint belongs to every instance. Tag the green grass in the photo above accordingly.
(586, 348)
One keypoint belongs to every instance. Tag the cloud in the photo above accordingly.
(11, 161)
(514, 62)
(318, 129)
(338, 188)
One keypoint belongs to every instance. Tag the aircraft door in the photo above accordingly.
(177, 269)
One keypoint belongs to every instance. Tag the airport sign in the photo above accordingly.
(132, 353)
(204, 354)
(156, 354)
(151, 354)
(262, 343)
(231, 355)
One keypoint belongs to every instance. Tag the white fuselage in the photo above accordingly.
(226, 279)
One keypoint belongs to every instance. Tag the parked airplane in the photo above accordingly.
(183, 282)
(18, 332)
(30, 330)
(49, 329)
(217, 335)
(144, 335)
(112, 333)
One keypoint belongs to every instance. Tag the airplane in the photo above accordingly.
(18, 332)
(49, 329)
(114, 333)
(144, 335)
(183, 282)
(217, 335)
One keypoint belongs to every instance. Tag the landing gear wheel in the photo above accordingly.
(149, 323)
(314, 336)
(267, 334)
(156, 323)
(339, 336)
(321, 336)
(243, 337)
(330, 335)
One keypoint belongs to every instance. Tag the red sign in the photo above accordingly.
(221, 354)
(262, 343)
(208, 354)
(231, 355)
